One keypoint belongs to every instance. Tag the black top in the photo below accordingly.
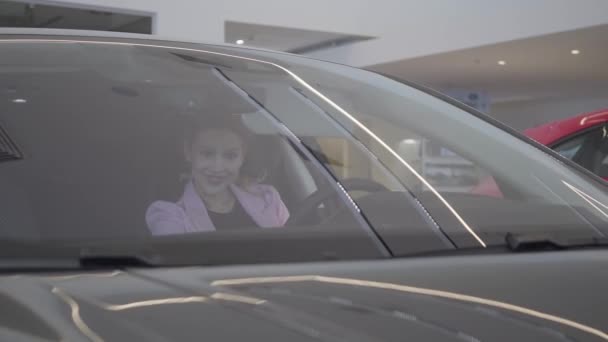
(237, 218)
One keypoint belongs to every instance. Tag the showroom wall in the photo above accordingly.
(403, 28)
(524, 114)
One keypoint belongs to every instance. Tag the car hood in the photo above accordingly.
(191, 304)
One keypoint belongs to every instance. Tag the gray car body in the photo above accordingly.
(548, 296)
(493, 296)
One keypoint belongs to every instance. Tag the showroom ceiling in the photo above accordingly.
(51, 15)
(536, 67)
(284, 38)
(528, 68)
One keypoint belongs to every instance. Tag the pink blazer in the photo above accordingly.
(262, 202)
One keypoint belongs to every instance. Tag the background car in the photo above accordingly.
(382, 243)
(581, 138)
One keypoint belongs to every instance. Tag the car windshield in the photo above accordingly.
(257, 156)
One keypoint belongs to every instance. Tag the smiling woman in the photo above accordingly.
(221, 193)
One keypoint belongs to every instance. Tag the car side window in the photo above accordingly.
(589, 149)
(570, 147)
(402, 222)
(455, 165)
(603, 172)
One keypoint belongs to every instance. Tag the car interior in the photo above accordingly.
(90, 156)
(117, 147)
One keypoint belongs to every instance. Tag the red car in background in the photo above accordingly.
(582, 139)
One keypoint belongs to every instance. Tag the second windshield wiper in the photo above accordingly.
(14, 264)
(538, 242)
(114, 261)
(16, 255)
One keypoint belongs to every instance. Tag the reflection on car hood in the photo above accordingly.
(347, 305)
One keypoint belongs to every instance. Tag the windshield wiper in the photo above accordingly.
(115, 261)
(35, 256)
(539, 242)
(36, 264)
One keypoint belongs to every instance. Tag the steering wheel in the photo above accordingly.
(315, 199)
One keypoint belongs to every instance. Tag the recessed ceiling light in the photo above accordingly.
(410, 141)
(240, 42)
(20, 101)
(502, 63)
(575, 52)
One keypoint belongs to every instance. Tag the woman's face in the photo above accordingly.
(216, 157)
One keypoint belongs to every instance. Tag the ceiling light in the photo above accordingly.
(502, 63)
(410, 141)
(20, 101)
(575, 52)
(240, 42)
